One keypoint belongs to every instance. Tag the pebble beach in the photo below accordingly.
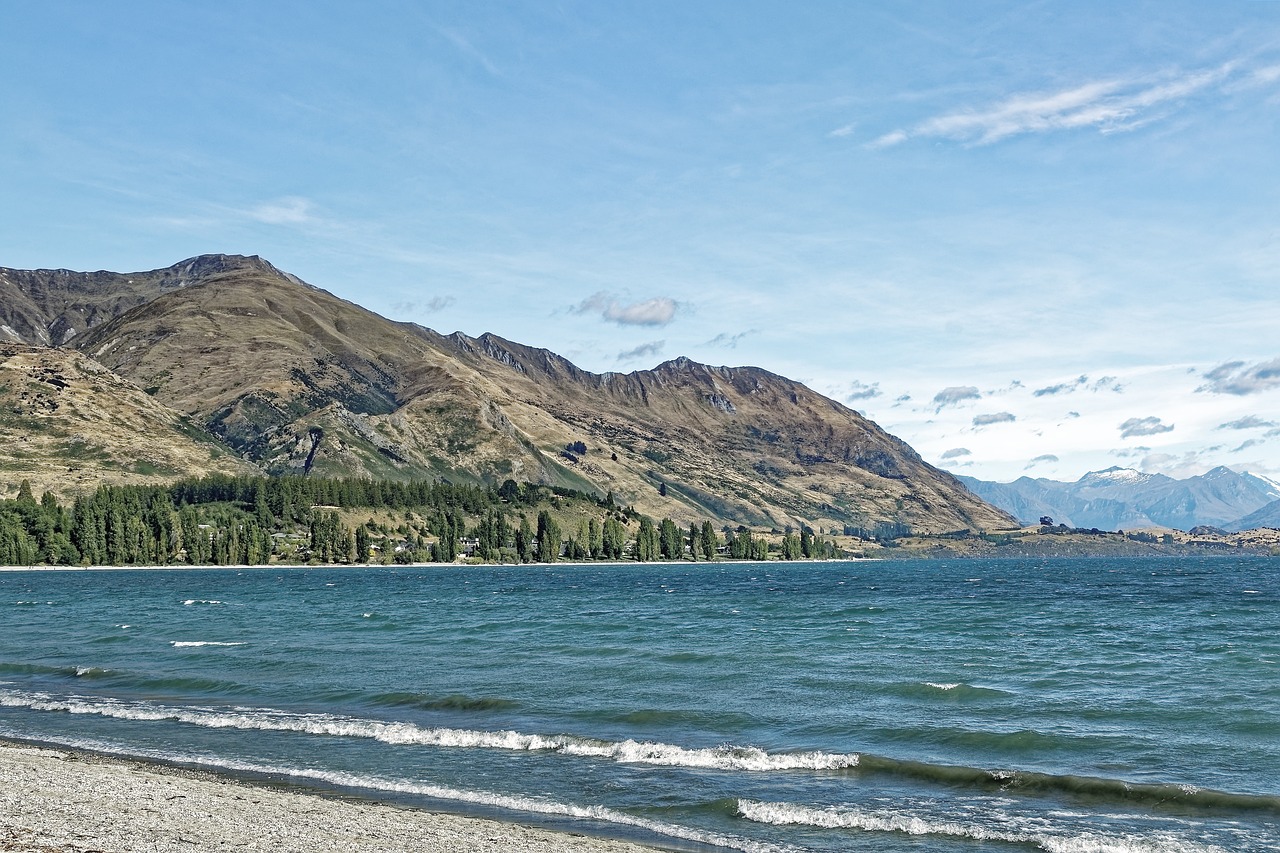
(78, 802)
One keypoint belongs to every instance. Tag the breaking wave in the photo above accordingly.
(737, 758)
(905, 823)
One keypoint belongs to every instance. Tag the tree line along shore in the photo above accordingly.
(223, 520)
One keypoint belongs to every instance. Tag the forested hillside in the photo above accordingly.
(223, 520)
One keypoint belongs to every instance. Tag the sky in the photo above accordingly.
(1030, 239)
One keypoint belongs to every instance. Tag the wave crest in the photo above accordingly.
(904, 823)
(727, 757)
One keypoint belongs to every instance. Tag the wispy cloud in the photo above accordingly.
(1106, 105)
(997, 418)
(1267, 75)
(728, 341)
(1061, 387)
(956, 453)
(644, 350)
(290, 210)
(1143, 426)
(1247, 422)
(1047, 457)
(466, 48)
(658, 311)
(861, 391)
(955, 395)
(1188, 464)
(431, 306)
(1236, 377)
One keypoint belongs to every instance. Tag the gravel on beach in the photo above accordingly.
(65, 800)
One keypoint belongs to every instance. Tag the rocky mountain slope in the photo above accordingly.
(1124, 499)
(1267, 516)
(68, 424)
(295, 379)
(50, 307)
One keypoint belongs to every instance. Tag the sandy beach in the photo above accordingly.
(63, 800)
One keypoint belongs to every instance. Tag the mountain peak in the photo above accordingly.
(1115, 475)
(295, 379)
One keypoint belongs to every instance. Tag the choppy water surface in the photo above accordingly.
(1057, 705)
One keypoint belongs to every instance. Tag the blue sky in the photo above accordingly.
(1027, 238)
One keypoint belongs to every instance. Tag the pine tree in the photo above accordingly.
(362, 544)
(709, 540)
(548, 538)
(595, 538)
(524, 540)
(670, 542)
(647, 544)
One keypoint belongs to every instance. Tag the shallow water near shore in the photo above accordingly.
(1057, 705)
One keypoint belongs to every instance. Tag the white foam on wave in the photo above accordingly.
(1066, 840)
(190, 644)
(190, 601)
(951, 685)
(735, 758)
(512, 802)
(520, 803)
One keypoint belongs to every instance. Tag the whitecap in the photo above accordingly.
(187, 644)
(513, 802)
(725, 757)
(1065, 839)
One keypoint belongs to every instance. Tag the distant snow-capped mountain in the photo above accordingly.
(1122, 498)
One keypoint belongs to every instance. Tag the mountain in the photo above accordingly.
(1121, 498)
(1267, 516)
(50, 307)
(68, 423)
(294, 379)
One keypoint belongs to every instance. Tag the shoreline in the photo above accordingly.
(269, 566)
(56, 798)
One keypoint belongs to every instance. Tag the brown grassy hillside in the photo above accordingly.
(293, 378)
(67, 424)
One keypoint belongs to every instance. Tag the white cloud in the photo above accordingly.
(291, 210)
(997, 418)
(658, 311)
(1061, 387)
(728, 341)
(955, 395)
(1264, 76)
(431, 306)
(644, 350)
(1107, 105)
(861, 391)
(1247, 422)
(956, 453)
(1236, 377)
(1143, 426)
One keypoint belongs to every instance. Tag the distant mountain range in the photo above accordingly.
(1124, 499)
(224, 363)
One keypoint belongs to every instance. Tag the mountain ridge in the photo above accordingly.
(293, 378)
(1122, 498)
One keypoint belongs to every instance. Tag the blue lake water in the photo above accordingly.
(1073, 706)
